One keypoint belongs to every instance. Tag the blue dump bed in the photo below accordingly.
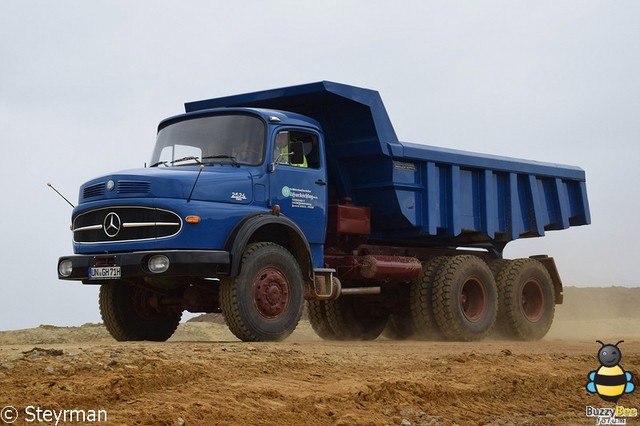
(420, 194)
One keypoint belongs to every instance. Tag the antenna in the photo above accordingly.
(196, 181)
(63, 197)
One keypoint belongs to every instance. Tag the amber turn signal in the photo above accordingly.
(192, 219)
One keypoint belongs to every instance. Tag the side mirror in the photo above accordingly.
(296, 153)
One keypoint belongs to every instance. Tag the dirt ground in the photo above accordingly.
(204, 376)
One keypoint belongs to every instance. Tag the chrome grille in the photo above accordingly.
(117, 224)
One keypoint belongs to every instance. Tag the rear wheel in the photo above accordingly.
(423, 318)
(128, 313)
(527, 300)
(264, 302)
(356, 317)
(464, 298)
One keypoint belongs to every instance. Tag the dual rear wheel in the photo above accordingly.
(463, 298)
(456, 298)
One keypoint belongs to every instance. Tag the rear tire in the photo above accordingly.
(497, 265)
(527, 300)
(128, 315)
(465, 298)
(264, 302)
(423, 318)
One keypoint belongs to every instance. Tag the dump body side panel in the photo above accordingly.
(437, 196)
(420, 194)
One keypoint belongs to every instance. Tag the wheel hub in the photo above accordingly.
(270, 292)
(532, 300)
(473, 300)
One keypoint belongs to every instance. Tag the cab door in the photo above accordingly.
(300, 189)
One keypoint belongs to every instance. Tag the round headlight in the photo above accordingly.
(65, 268)
(158, 263)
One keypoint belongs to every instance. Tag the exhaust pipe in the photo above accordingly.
(353, 291)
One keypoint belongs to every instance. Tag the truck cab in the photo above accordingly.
(216, 181)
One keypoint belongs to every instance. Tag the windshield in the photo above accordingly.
(236, 139)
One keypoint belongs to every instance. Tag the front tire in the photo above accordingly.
(128, 314)
(264, 302)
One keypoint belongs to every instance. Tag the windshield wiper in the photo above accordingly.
(197, 160)
(223, 156)
(183, 159)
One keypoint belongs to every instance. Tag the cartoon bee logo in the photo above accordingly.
(610, 381)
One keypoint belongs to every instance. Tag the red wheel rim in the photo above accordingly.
(473, 299)
(532, 300)
(270, 292)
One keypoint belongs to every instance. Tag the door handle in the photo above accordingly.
(321, 182)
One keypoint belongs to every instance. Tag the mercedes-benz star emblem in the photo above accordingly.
(112, 224)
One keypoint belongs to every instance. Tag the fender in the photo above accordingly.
(269, 227)
(550, 264)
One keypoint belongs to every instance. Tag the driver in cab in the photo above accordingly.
(282, 151)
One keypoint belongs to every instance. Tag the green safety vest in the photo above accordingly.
(285, 150)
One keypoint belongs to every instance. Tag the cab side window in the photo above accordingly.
(286, 140)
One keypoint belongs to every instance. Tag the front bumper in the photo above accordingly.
(183, 263)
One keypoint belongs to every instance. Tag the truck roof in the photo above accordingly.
(285, 117)
(343, 111)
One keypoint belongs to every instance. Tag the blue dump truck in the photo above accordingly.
(255, 203)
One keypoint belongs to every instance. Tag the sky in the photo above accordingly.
(83, 86)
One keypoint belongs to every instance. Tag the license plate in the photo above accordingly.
(104, 273)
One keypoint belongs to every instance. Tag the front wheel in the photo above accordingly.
(128, 312)
(264, 302)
